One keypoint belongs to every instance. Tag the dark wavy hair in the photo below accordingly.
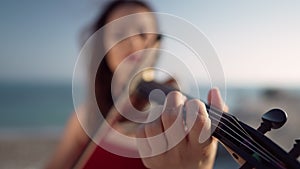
(104, 74)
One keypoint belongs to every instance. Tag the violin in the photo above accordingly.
(248, 146)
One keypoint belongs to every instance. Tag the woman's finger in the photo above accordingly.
(172, 119)
(142, 142)
(215, 99)
(156, 138)
(197, 122)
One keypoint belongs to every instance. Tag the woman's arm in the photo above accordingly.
(70, 147)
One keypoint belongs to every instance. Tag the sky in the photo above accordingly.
(257, 42)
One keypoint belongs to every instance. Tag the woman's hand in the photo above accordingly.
(174, 142)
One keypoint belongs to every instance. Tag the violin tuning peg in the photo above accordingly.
(295, 151)
(273, 119)
(276, 117)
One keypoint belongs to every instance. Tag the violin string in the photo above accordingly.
(262, 154)
(265, 157)
(221, 114)
(218, 113)
(236, 125)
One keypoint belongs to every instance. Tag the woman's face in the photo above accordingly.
(134, 25)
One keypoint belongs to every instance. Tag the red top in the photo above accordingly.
(106, 160)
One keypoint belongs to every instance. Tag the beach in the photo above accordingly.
(26, 153)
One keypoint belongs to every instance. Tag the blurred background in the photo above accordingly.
(257, 43)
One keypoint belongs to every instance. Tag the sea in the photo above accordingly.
(42, 110)
(45, 106)
(34, 105)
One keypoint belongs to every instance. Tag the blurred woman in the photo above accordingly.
(188, 153)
